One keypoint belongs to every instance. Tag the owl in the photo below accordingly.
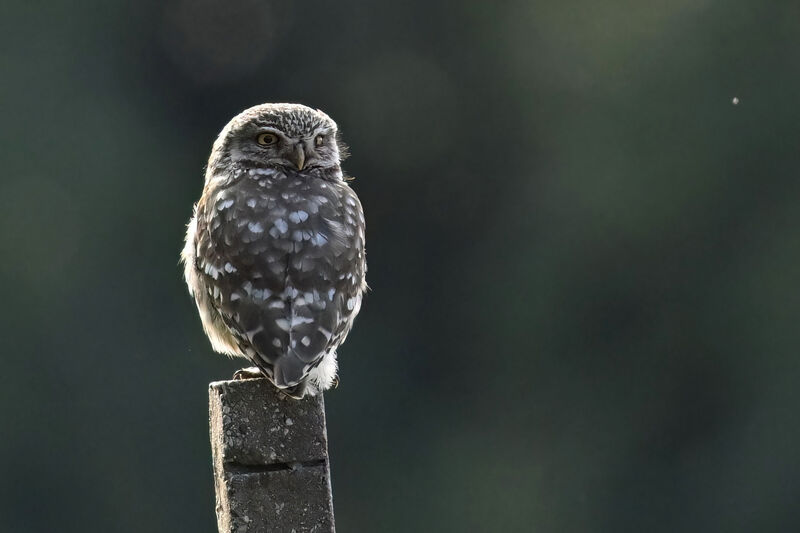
(274, 254)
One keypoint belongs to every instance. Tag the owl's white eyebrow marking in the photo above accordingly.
(322, 130)
(270, 128)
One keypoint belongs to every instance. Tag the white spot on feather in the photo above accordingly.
(298, 216)
(318, 239)
(261, 294)
(210, 270)
(299, 320)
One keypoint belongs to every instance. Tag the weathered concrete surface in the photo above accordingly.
(270, 452)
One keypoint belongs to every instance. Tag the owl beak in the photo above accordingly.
(299, 157)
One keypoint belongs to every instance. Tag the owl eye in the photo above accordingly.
(266, 139)
(319, 140)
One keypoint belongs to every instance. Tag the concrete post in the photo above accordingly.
(271, 469)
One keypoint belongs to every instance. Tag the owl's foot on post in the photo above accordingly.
(251, 372)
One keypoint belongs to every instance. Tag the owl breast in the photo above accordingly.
(281, 257)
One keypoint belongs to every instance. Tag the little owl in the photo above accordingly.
(274, 253)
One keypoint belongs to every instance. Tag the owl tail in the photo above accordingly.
(290, 375)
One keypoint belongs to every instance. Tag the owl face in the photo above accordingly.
(291, 136)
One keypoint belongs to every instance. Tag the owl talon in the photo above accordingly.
(335, 382)
(247, 373)
(297, 392)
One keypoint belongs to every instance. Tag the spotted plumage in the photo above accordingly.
(274, 252)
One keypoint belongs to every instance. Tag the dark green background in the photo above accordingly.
(584, 259)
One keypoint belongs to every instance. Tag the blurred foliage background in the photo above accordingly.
(584, 259)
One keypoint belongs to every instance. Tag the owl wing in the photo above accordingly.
(326, 278)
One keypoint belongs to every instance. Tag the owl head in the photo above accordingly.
(291, 136)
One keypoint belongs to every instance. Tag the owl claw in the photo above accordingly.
(297, 392)
(335, 382)
(247, 373)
